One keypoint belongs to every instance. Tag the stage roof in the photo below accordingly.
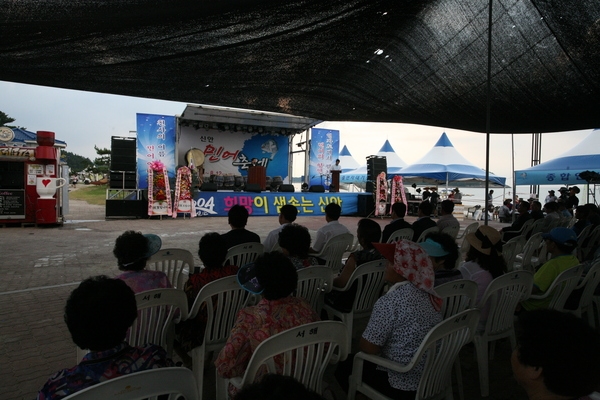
(412, 61)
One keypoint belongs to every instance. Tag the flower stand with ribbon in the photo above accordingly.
(184, 203)
(398, 193)
(159, 192)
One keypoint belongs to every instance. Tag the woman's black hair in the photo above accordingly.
(131, 249)
(212, 250)
(493, 263)
(276, 274)
(368, 231)
(99, 312)
(295, 239)
(448, 244)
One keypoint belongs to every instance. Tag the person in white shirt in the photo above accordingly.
(331, 229)
(337, 166)
(287, 215)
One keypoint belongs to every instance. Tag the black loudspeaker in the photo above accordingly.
(208, 187)
(127, 208)
(123, 154)
(366, 205)
(252, 187)
(287, 188)
(317, 189)
(375, 166)
(122, 180)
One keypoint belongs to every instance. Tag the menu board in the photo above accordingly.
(12, 204)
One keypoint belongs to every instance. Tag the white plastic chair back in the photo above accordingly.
(458, 296)
(177, 264)
(355, 246)
(589, 285)
(588, 244)
(524, 231)
(471, 228)
(369, 278)
(540, 226)
(510, 250)
(440, 347)
(243, 254)
(305, 350)
(503, 295)
(223, 299)
(173, 381)
(531, 248)
(427, 232)
(452, 231)
(527, 228)
(158, 312)
(404, 233)
(561, 288)
(334, 250)
(313, 283)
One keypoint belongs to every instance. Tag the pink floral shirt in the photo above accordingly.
(257, 323)
(140, 281)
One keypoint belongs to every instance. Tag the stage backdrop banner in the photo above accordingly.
(217, 204)
(324, 150)
(230, 153)
(155, 142)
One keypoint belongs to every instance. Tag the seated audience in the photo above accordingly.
(287, 215)
(237, 217)
(443, 252)
(398, 222)
(524, 216)
(562, 209)
(483, 263)
(557, 356)
(552, 211)
(447, 218)
(212, 252)
(333, 228)
(581, 214)
(98, 314)
(294, 241)
(400, 320)
(505, 212)
(536, 210)
(133, 250)
(593, 214)
(368, 232)
(560, 242)
(273, 276)
(424, 220)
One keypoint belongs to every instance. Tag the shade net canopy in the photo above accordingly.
(411, 61)
(567, 168)
(444, 165)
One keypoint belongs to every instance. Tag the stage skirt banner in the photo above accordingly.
(324, 150)
(155, 142)
(217, 204)
(230, 154)
(184, 203)
(159, 192)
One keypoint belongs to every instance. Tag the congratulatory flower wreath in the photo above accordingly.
(159, 193)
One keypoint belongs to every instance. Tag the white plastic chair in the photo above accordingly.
(175, 263)
(173, 381)
(304, 351)
(313, 283)
(587, 245)
(369, 281)
(427, 232)
(562, 287)
(589, 285)
(503, 295)
(525, 260)
(243, 254)
(524, 231)
(334, 249)
(222, 299)
(464, 246)
(440, 347)
(510, 250)
(452, 231)
(158, 312)
(404, 233)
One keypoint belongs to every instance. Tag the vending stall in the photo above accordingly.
(30, 178)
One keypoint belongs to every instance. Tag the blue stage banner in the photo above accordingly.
(155, 142)
(217, 204)
(324, 150)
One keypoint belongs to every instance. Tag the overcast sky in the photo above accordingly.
(85, 119)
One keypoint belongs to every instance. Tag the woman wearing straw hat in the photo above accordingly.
(483, 262)
(400, 320)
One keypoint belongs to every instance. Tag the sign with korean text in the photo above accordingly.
(324, 150)
(155, 142)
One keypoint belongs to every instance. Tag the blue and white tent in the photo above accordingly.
(347, 162)
(444, 165)
(359, 175)
(565, 169)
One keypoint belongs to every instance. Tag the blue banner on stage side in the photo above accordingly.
(217, 204)
(155, 142)
(324, 149)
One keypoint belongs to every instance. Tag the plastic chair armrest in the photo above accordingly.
(384, 362)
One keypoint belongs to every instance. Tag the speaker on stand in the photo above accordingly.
(375, 166)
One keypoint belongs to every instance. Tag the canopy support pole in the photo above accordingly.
(488, 113)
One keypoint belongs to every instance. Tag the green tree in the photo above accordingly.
(77, 163)
(102, 162)
(5, 119)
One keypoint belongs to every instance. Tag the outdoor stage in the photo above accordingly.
(217, 204)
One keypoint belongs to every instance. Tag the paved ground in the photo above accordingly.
(40, 267)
